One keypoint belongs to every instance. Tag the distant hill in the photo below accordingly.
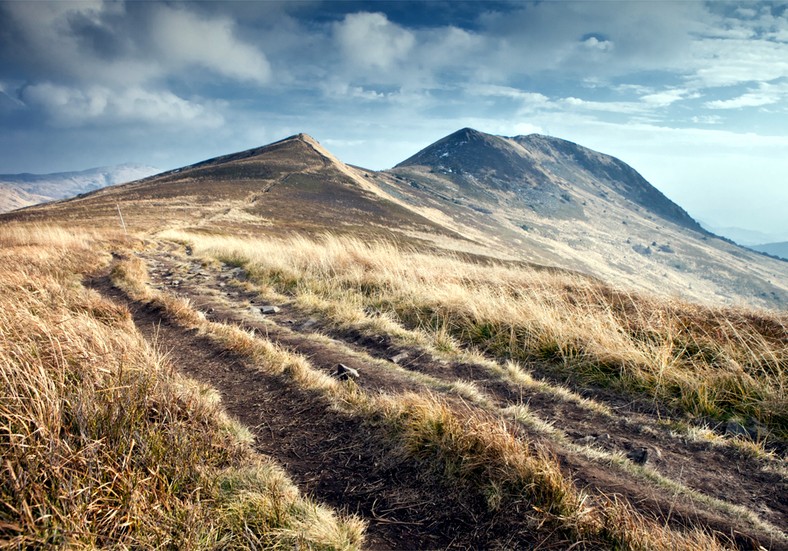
(774, 249)
(21, 190)
(744, 236)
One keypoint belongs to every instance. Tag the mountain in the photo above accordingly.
(744, 236)
(542, 172)
(21, 190)
(774, 249)
(554, 202)
(531, 199)
(290, 185)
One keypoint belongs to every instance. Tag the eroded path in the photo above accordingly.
(339, 461)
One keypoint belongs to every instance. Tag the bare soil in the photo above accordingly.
(351, 465)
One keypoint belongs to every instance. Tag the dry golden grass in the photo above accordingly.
(103, 446)
(475, 453)
(711, 363)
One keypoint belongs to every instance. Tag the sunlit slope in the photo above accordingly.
(291, 185)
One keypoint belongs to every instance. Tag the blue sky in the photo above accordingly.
(694, 95)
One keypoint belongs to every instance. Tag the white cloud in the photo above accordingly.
(618, 107)
(97, 42)
(531, 98)
(8, 97)
(49, 46)
(752, 99)
(765, 94)
(599, 38)
(593, 43)
(68, 106)
(184, 38)
(370, 40)
(668, 97)
(728, 62)
(340, 89)
(707, 119)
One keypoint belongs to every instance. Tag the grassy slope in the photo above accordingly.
(478, 456)
(103, 445)
(723, 364)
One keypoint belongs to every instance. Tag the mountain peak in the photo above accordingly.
(466, 151)
(541, 171)
(468, 133)
(301, 137)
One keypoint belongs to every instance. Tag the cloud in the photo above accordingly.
(125, 44)
(590, 38)
(616, 107)
(8, 99)
(728, 62)
(531, 98)
(370, 40)
(184, 38)
(339, 89)
(68, 106)
(766, 94)
(668, 97)
(707, 119)
(594, 43)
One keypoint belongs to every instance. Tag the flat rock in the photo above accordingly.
(308, 324)
(399, 357)
(270, 309)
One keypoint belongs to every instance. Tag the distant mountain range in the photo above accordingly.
(534, 199)
(774, 249)
(22, 190)
(744, 236)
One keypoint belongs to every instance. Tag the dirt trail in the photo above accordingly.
(333, 458)
(328, 454)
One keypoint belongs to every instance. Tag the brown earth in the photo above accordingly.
(352, 466)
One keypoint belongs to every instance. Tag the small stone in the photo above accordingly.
(399, 357)
(344, 372)
(308, 324)
(269, 309)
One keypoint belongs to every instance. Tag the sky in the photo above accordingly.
(693, 95)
